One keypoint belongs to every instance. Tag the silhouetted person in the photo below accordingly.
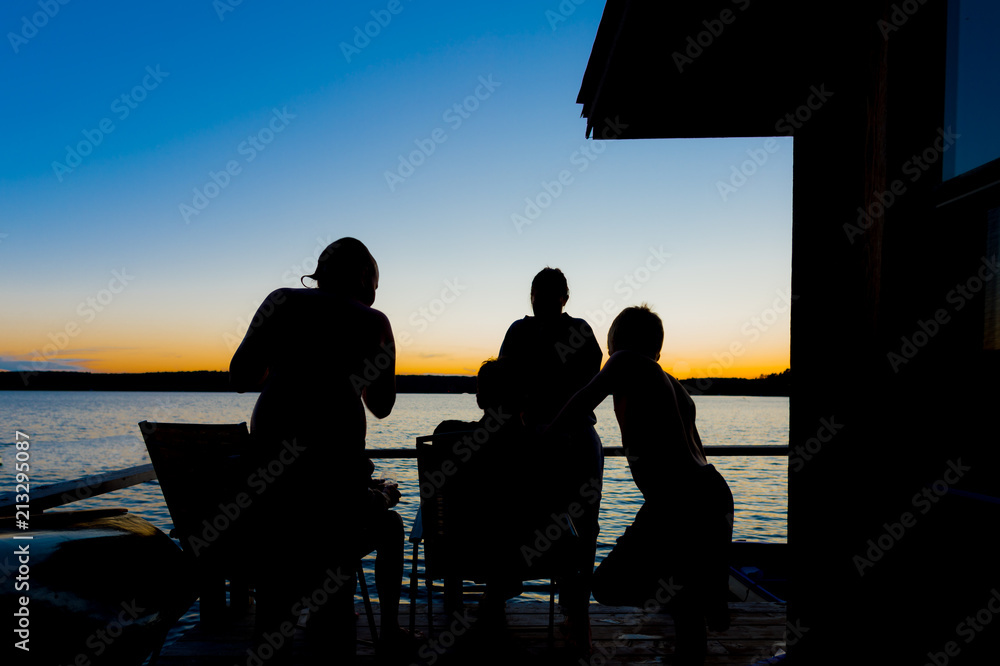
(558, 352)
(319, 356)
(556, 355)
(497, 498)
(497, 480)
(675, 552)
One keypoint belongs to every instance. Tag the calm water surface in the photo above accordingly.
(74, 434)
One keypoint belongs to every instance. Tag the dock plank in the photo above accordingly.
(621, 636)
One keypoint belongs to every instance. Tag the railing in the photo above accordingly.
(66, 492)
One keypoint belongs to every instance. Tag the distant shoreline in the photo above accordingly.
(778, 384)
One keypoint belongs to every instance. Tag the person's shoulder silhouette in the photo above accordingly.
(555, 353)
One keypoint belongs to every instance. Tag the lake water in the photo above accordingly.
(75, 434)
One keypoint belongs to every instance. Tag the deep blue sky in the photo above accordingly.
(207, 88)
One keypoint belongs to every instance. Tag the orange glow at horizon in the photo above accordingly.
(169, 353)
(746, 369)
(131, 361)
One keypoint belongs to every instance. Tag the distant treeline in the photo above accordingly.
(205, 380)
(777, 383)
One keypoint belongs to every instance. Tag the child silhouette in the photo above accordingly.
(675, 552)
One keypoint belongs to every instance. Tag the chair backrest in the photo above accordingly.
(479, 508)
(455, 524)
(200, 474)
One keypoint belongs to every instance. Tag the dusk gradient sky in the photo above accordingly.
(167, 165)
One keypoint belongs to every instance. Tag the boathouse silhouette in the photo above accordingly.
(891, 520)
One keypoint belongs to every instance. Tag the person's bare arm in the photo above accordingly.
(590, 396)
(248, 368)
(380, 394)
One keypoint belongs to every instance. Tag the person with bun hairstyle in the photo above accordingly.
(309, 352)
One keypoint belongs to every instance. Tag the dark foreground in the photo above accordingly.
(621, 636)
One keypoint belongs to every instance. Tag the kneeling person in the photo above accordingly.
(675, 554)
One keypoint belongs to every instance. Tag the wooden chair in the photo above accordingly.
(448, 488)
(199, 470)
(203, 474)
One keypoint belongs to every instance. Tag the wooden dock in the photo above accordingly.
(621, 636)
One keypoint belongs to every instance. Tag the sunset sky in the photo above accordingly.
(166, 165)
